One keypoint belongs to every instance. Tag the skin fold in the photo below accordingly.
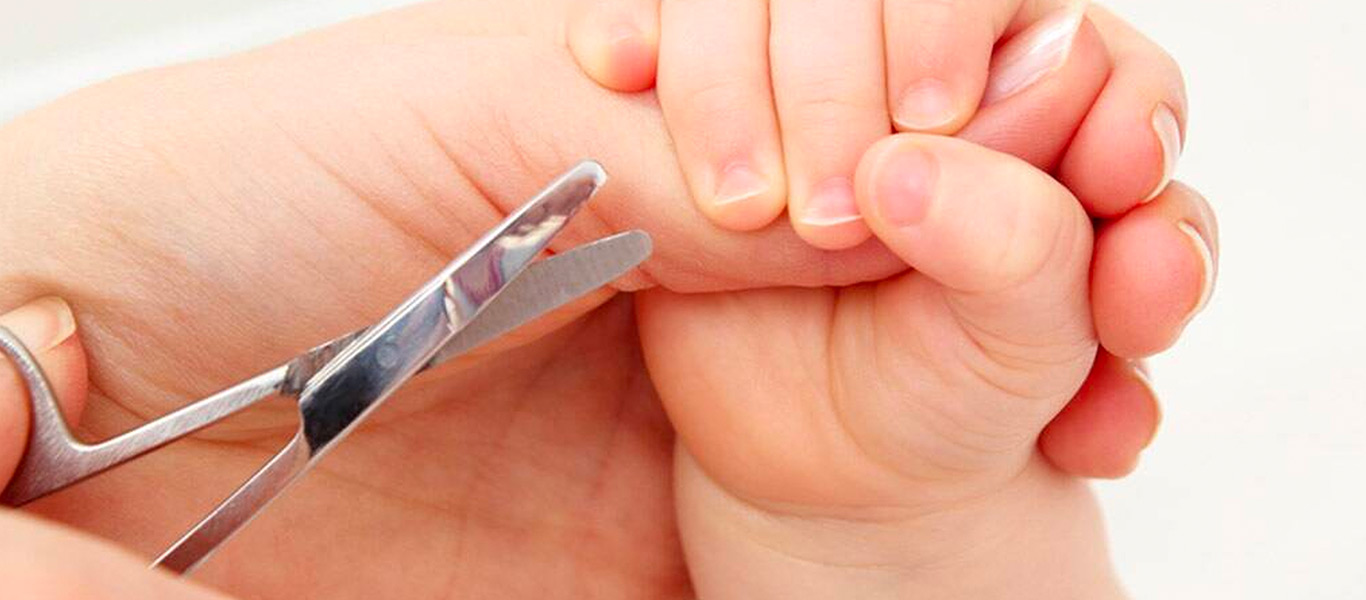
(211, 220)
(1066, 86)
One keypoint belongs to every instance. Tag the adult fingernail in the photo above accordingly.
(832, 204)
(1033, 53)
(925, 106)
(904, 186)
(739, 183)
(1206, 256)
(1168, 131)
(42, 324)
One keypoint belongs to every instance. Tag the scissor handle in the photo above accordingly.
(239, 509)
(339, 382)
(361, 377)
(55, 459)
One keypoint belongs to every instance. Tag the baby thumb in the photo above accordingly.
(1008, 247)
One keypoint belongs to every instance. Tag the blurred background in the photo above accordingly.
(1256, 487)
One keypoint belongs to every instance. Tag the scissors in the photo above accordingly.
(493, 287)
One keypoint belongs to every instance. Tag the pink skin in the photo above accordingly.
(1157, 293)
(344, 140)
(47, 328)
(1113, 418)
(904, 405)
(1118, 159)
(617, 45)
(796, 90)
(1081, 118)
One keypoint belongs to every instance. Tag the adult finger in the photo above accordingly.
(47, 328)
(41, 560)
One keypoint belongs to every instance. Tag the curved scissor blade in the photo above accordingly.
(549, 284)
(54, 461)
(371, 368)
(368, 370)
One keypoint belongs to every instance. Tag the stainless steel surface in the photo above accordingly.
(367, 371)
(339, 383)
(230, 516)
(55, 459)
(550, 284)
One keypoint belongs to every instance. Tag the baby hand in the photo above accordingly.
(1100, 109)
(771, 104)
(880, 440)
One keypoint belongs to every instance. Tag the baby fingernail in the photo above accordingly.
(1203, 251)
(628, 46)
(1144, 378)
(924, 106)
(904, 186)
(832, 204)
(740, 182)
(1033, 53)
(42, 324)
(623, 32)
(1168, 131)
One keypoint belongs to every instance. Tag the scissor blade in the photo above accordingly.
(369, 369)
(549, 284)
(372, 367)
(499, 257)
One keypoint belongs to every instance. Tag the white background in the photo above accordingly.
(1256, 487)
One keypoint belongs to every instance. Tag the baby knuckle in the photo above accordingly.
(709, 99)
(1041, 241)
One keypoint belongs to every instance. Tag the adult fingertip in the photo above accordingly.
(41, 559)
(44, 327)
(47, 328)
(41, 324)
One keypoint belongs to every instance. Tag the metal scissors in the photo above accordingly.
(493, 287)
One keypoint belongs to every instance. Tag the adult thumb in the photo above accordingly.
(47, 329)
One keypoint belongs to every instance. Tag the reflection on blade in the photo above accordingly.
(365, 372)
(550, 284)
